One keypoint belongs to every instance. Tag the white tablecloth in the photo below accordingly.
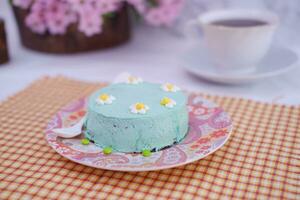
(152, 54)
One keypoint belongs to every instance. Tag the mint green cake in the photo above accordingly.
(136, 116)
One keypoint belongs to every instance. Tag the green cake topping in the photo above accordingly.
(85, 141)
(146, 153)
(107, 150)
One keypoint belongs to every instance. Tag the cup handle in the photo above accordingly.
(192, 29)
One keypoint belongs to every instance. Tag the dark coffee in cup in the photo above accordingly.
(239, 22)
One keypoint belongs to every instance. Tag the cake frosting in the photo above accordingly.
(136, 116)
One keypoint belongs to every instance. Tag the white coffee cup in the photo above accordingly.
(237, 48)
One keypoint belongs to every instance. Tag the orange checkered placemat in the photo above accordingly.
(260, 161)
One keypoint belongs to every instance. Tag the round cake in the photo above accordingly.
(136, 116)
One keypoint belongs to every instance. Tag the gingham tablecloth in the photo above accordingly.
(260, 161)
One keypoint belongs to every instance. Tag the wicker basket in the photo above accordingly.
(4, 57)
(115, 31)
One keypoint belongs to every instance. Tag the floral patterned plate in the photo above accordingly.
(209, 129)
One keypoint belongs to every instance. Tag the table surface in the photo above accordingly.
(153, 54)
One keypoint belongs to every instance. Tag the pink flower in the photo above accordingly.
(56, 24)
(24, 4)
(76, 5)
(58, 17)
(90, 22)
(165, 13)
(39, 6)
(139, 5)
(55, 16)
(105, 6)
(171, 2)
(35, 22)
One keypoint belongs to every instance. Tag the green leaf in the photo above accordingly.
(153, 3)
(109, 15)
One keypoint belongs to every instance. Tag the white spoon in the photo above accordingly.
(76, 129)
(70, 132)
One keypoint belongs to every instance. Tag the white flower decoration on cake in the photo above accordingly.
(105, 99)
(167, 102)
(168, 87)
(133, 80)
(139, 108)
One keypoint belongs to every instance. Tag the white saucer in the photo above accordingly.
(278, 60)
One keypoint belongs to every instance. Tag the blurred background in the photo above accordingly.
(154, 53)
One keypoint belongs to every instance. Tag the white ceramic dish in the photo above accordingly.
(277, 61)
